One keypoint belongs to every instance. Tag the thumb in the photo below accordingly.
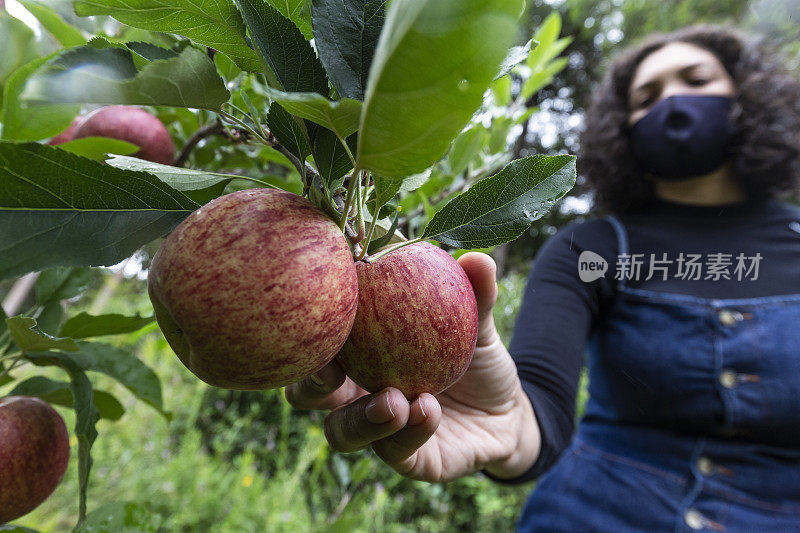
(481, 271)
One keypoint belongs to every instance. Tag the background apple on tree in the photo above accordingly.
(381, 108)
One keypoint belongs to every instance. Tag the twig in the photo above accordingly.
(10, 367)
(215, 128)
(307, 171)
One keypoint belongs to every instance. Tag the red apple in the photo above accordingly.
(67, 134)
(416, 324)
(131, 124)
(34, 452)
(257, 289)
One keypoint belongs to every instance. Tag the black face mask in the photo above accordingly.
(683, 136)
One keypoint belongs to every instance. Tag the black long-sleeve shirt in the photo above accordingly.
(559, 310)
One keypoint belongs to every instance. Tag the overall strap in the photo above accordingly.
(622, 250)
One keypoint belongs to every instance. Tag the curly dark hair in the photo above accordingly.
(765, 148)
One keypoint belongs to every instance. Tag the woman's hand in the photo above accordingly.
(484, 420)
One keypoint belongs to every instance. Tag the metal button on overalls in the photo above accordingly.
(729, 318)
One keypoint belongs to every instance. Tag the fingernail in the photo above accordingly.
(415, 420)
(375, 414)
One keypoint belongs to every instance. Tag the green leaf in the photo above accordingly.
(340, 116)
(543, 77)
(40, 387)
(386, 188)
(64, 33)
(465, 147)
(84, 325)
(56, 284)
(330, 156)
(109, 76)
(345, 34)
(500, 208)
(213, 23)
(289, 131)
(59, 393)
(501, 90)
(5, 338)
(297, 11)
(24, 123)
(18, 45)
(119, 517)
(31, 339)
(11, 528)
(285, 49)
(59, 209)
(108, 406)
(549, 43)
(320, 195)
(386, 238)
(150, 51)
(498, 133)
(86, 417)
(515, 56)
(415, 181)
(98, 147)
(122, 366)
(388, 209)
(432, 65)
(200, 186)
(50, 317)
(226, 67)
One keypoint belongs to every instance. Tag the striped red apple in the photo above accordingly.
(34, 453)
(255, 290)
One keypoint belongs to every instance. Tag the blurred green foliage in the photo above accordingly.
(247, 461)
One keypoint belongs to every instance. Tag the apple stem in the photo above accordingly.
(348, 202)
(375, 257)
(372, 224)
(360, 209)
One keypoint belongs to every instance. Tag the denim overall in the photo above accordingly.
(693, 420)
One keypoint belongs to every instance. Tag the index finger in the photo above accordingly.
(326, 389)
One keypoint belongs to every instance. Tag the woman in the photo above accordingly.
(693, 420)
